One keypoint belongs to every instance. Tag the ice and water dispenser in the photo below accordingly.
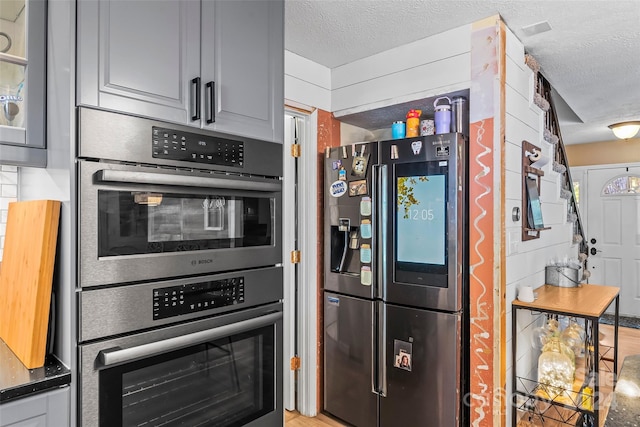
(348, 212)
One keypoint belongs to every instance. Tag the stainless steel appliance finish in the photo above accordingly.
(159, 200)
(142, 222)
(430, 393)
(223, 370)
(349, 367)
(435, 284)
(179, 275)
(112, 136)
(395, 300)
(342, 234)
(134, 307)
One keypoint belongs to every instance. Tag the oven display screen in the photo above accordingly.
(184, 299)
(177, 145)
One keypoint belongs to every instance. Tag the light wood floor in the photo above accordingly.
(294, 419)
(629, 343)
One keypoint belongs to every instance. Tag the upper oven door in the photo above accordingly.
(143, 223)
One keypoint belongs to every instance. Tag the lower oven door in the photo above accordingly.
(221, 371)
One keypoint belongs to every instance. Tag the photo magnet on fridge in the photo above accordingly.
(358, 188)
(359, 165)
(402, 354)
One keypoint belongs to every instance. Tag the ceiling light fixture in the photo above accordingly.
(625, 130)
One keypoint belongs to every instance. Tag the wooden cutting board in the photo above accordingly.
(26, 278)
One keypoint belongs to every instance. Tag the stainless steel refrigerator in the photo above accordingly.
(395, 282)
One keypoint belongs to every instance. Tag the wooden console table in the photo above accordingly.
(585, 301)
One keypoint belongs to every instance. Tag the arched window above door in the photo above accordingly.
(620, 185)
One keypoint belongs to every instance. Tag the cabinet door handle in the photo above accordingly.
(211, 103)
(195, 99)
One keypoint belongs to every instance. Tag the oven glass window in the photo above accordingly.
(228, 382)
(145, 222)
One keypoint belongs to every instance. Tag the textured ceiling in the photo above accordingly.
(591, 56)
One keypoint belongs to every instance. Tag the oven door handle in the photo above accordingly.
(150, 178)
(116, 356)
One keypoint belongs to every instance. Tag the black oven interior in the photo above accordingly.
(226, 382)
(140, 222)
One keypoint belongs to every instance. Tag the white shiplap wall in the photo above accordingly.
(422, 69)
(526, 260)
(8, 194)
(306, 84)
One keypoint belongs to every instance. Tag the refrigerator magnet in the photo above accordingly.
(336, 164)
(358, 188)
(365, 206)
(365, 253)
(365, 275)
(359, 165)
(342, 174)
(338, 188)
(402, 355)
(365, 229)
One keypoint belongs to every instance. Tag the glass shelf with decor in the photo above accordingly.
(23, 82)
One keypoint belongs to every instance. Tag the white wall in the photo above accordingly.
(8, 194)
(422, 69)
(306, 84)
(525, 260)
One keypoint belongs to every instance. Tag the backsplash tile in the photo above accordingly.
(8, 194)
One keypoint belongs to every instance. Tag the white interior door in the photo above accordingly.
(613, 232)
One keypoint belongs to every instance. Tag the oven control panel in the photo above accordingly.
(184, 299)
(191, 147)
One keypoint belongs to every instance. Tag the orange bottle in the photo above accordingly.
(413, 123)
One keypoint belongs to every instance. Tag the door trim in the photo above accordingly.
(305, 400)
(308, 293)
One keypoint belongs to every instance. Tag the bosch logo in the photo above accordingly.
(201, 261)
(5, 98)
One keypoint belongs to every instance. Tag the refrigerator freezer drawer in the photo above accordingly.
(422, 368)
(348, 360)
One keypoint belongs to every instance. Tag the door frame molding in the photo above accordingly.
(305, 399)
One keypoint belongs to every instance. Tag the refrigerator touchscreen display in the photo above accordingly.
(420, 229)
(421, 219)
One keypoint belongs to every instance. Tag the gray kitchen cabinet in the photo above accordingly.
(50, 409)
(218, 65)
(139, 57)
(243, 67)
(23, 29)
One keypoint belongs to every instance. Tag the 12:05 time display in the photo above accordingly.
(421, 214)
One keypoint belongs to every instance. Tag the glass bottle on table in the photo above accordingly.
(556, 370)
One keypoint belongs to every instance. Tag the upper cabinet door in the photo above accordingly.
(23, 30)
(243, 67)
(140, 57)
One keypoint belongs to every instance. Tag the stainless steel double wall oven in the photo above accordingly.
(180, 276)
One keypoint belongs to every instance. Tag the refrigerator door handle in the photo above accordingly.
(374, 354)
(382, 348)
(380, 218)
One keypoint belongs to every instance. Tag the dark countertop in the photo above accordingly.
(17, 381)
(625, 405)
